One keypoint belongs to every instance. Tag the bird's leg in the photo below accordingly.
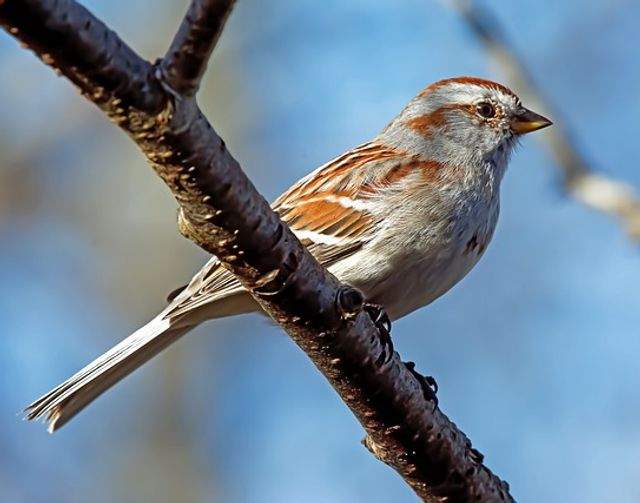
(427, 383)
(382, 322)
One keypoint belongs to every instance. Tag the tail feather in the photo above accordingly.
(63, 402)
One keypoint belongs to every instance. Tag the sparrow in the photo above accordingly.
(402, 218)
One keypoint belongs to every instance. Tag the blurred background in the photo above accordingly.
(536, 351)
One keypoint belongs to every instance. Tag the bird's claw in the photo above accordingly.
(382, 322)
(427, 383)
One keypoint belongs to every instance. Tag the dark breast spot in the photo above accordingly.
(475, 244)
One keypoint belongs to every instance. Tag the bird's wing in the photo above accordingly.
(327, 210)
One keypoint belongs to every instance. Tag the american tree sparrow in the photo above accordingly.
(402, 218)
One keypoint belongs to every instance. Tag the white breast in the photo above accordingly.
(410, 266)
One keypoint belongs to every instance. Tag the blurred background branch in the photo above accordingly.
(580, 179)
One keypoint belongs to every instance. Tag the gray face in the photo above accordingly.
(477, 118)
(462, 122)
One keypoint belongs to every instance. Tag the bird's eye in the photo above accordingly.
(485, 109)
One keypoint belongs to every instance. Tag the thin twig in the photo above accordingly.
(223, 213)
(579, 178)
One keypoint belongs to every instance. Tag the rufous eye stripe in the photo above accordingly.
(428, 124)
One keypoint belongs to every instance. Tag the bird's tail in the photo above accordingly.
(66, 400)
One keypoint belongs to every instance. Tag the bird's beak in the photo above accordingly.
(526, 121)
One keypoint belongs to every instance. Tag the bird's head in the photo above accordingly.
(462, 120)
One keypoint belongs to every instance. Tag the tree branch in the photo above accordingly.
(579, 178)
(186, 60)
(223, 213)
(69, 38)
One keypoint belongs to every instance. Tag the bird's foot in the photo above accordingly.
(427, 383)
(382, 322)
